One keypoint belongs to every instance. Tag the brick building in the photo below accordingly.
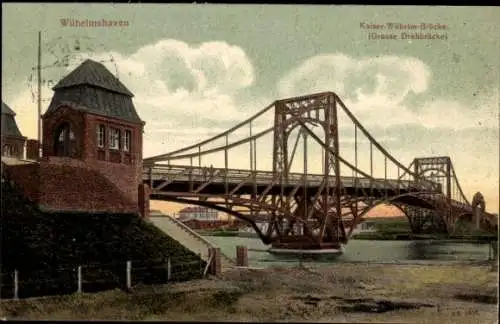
(12, 140)
(91, 147)
(198, 213)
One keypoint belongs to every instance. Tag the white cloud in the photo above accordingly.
(389, 77)
(378, 89)
(176, 85)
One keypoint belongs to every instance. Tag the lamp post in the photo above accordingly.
(39, 97)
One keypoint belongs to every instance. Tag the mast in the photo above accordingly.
(39, 70)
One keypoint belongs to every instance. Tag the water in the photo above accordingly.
(424, 252)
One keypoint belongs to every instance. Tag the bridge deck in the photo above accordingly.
(199, 175)
(181, 180)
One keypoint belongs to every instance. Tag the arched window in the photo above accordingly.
(65, 141)
(7, 150)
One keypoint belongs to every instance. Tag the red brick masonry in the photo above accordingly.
(64, 184)
(32, 149)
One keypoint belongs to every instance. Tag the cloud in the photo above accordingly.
(389, 77)
(381, 88)
(172, 77)
(177, 86)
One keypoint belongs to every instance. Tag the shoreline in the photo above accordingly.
(409, 237)
(375, 237)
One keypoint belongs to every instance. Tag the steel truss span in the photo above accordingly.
(308, 208)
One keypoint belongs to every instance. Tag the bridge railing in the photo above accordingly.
(217, 175)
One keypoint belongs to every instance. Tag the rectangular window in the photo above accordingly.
(100, 135)
(114, 139)
(126, 141)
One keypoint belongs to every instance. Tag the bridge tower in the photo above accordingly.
(319, 211)
(438, 170)
(91, 147)
(92, 120)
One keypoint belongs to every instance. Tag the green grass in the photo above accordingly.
(39, 245)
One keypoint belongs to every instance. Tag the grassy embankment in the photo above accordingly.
(45, 249)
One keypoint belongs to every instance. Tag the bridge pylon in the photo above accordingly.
(318, 212)
(439, 219)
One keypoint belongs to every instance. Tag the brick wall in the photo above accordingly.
(127, 171)
(120, 175)
(27, 178)
(69, 186)
(32, 147)
(144, 201)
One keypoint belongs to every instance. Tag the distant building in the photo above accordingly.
(12, 140)
(198, 213)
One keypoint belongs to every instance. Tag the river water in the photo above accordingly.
(423, 252)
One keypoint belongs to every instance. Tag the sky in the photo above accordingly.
(197, 70)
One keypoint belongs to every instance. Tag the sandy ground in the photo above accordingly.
(460, 293)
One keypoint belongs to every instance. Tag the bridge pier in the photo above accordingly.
(493, 248)
(425, 220)
(241, 256)
(302, 245)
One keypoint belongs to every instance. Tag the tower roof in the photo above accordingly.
(9, 125)
(93, 89)
(6, 110)
(94, 74)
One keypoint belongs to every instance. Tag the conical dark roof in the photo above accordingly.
(93, 89)
(94, 74)
(9, 125)
(6, 109)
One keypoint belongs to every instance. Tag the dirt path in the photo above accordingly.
(341, 293)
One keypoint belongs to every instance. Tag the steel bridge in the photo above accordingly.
(307, 208)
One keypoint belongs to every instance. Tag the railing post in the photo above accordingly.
(399, 180)
(129, 274)
(215, 264)
(241, 256)
(385, 176)
(16, 284)
(201, 264)
(79, 279)
(169, 269)
(251, 148)
(151, 178)
(255, 154)
(199, 156)
(190, 177)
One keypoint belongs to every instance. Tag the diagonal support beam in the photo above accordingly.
(206, 184)
(241, 184)
(169, 178)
